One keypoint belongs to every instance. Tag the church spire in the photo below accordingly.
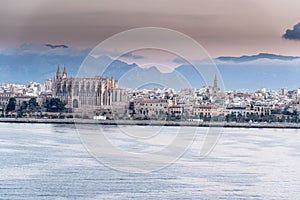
(64, 75)
(58, 73)
(216, 82)
(215, 88)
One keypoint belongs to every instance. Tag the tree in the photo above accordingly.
(32, 104)
(23, 106)
(11, 106)
(2, 109)
(54, 105)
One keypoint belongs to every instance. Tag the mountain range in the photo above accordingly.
(257, 57)
(38, 63)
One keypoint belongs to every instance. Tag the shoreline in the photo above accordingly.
(151, 123)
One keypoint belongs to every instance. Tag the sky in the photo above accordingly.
(222, 27)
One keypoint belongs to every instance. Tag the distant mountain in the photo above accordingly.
(39, 62)
(33, 67)
(256, 57)
(191, 75)
(103, 66)
(255, 75)
(151, 77)
(117, 69)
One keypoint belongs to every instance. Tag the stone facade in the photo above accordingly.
(88, 94)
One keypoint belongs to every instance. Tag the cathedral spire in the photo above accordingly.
(58, 73)
(64, 75)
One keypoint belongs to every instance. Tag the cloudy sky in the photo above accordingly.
(222, 27)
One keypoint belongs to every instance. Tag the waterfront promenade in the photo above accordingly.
(151, 123)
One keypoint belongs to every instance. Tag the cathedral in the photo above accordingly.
(88, 94)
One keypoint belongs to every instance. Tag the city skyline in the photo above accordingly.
(99, 96)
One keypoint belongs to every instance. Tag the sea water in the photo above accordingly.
(49, 161)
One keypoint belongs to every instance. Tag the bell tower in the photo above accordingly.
(215, 88)
(216, 82)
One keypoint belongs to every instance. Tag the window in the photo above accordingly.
(75, 103)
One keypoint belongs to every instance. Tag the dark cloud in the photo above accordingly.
(293, 34)
(54, 46)
(42, 49)
(133, 56)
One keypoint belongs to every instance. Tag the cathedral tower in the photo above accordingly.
(58, 73)
(64, 75)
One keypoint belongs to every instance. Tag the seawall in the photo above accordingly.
(151, 123)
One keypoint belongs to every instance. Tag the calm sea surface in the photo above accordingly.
(46, 161)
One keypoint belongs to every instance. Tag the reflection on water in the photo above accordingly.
(41, 161)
